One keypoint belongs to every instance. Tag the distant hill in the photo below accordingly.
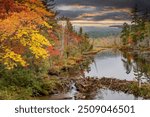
(117, 26)
(97, 32)
(105, 32)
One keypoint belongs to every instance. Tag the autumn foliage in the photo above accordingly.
(32, 42)
(29, 34)
(21, 27)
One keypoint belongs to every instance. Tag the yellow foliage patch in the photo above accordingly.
(10, 59)
(24, 28)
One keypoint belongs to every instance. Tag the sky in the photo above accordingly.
(98, 12)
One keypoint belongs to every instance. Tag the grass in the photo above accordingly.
(107, 42)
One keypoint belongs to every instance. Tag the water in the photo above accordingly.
(115, 64)
(101, 94)
(73, 91)
(62, 96)
(106, 94)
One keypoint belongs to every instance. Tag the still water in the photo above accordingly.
(119, 65)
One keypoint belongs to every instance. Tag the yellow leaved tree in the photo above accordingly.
(21, 34)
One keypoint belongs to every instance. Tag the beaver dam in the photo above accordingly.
(112, 75)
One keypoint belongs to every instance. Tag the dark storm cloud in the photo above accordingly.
(117, 3)
(112, 16)
(104, 9)
(143, 4)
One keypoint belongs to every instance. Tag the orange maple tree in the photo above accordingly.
(22, 28)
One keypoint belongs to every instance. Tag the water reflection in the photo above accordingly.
(106, 94)
(121, 65)
(140, 64)
(101, 94)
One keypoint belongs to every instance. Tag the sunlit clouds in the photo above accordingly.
(104, 12)
(103, 23)
(75, 7)
(95, 12)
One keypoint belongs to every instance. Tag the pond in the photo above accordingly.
(121, 65)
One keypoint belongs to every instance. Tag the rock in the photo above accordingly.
(80, 96)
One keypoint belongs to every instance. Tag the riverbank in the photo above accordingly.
(87, 87)
(132, 49)
(60, 82)
(73, 63)
(24, 84)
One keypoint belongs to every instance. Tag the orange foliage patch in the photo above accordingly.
(9, 6)
(52, 51)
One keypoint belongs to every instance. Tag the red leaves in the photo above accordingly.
(32, 1)
(77, 37)
(5, 7)
(138, 33)
(9, 6)
(130, 41)
(52, 51)
(53, 36)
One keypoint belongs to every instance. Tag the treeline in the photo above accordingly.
(31, 44)
(137, 34)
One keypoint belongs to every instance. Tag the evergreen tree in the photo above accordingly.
(80, 31)
(50, 4)
(135, 15)
(125, 33)
(69, 25)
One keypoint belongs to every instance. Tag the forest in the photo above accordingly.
(43, 56)
(31, 48)
(136, 34)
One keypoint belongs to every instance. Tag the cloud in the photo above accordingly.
(93, 9)
(105, 12)
(99, 3)
(99, 10)
(143, 4)
(103, 23)
(75, 7)
(114, 16)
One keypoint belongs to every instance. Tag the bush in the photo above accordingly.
(22, 83)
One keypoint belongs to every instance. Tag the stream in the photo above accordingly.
(113, 64)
